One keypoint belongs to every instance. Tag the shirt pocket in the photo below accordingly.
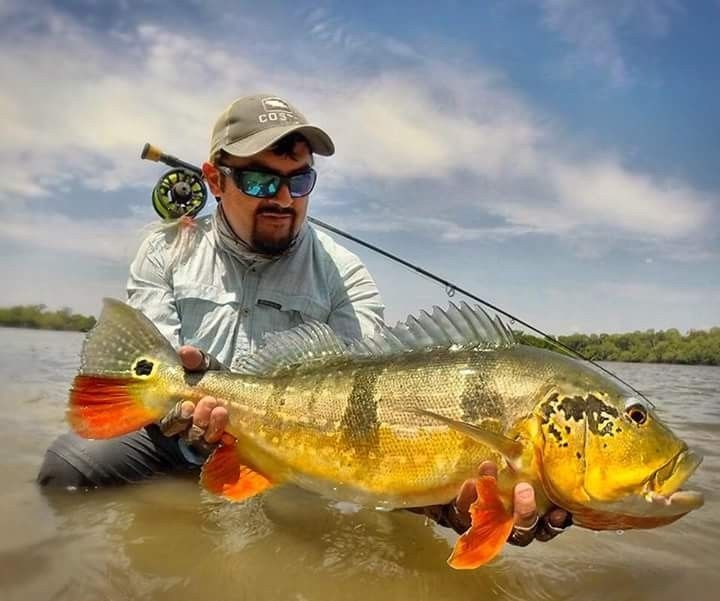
(278, 311)
(205, 312)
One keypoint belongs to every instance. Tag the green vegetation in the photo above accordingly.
(697, 347)
(38, 317)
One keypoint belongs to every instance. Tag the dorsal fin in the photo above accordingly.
(304, 345)
(455, 329)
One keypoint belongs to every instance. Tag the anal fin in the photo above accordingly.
(491, 526)
(225, 475)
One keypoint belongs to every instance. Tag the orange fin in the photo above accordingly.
(225, 475)
(105, 407)
(491, 526)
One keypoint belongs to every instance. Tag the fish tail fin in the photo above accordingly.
(491, 526)
(118, 389)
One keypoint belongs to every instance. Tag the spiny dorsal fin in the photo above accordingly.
(308, 345)
(454, 329)
(304, 345)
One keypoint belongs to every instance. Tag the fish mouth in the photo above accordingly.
(663, 487)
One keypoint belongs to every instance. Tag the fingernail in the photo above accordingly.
(524, 492)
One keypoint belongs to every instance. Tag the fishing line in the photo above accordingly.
(451, 289)
(178, 194)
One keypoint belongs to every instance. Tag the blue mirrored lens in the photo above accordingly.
(267, 185)
(262, 185)
(302, 184)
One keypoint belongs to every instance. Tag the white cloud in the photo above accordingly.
(430, 123)
(440, 151)
(81, 104)
(595, 28)
(80, 108)
(605, 193)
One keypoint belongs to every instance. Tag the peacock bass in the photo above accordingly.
(402, 418)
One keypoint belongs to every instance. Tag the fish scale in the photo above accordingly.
(361, 428)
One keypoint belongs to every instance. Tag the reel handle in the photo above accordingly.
(153, 153)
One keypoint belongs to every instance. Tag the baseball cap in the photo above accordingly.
(253, 123)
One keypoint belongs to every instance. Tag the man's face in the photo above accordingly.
(267, 224)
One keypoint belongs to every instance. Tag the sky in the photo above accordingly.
(558, 158)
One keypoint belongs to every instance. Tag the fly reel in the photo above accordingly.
(181, 191)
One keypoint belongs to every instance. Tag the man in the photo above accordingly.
(254, 267)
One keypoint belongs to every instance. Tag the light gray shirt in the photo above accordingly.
(210, 299)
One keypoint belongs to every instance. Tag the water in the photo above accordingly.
(168, 540)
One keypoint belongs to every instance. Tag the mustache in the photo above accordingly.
(275, 211)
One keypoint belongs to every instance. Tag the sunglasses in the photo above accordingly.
(265, 184)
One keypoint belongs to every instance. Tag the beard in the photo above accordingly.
(270, 241)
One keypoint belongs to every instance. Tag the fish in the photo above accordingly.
(402, 418)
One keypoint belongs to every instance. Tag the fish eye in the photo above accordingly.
(637, 413)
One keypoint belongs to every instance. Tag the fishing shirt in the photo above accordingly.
(224, 303)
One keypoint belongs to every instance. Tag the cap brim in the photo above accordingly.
(320, 142)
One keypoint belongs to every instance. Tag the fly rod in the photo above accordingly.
(179, 192)
(451, 288)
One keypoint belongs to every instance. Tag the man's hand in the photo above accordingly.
(202, 425)
(528, 524)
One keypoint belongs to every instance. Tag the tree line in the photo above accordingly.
(40, 318)
(697, 347)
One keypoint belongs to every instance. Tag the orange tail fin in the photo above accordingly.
(106, 407)
(225, 475)
(491, 526)
(120, 387)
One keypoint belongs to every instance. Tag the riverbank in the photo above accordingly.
(697, 347)
(38, 317)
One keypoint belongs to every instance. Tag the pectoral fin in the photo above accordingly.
(508, 448)
(225, 475)
(491, 526)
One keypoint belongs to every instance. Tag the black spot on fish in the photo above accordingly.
(564, 444)
(578, 454)
(479, 400)
(359, 424)
(143, 367)
(598, 414)
(548, 408)
(555, 432)
(567, 429)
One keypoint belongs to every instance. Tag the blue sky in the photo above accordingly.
(557, 157)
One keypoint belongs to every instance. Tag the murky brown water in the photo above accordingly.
(168, 540)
